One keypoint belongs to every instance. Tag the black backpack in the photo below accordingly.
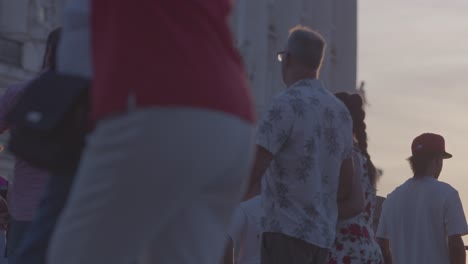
(49, 122)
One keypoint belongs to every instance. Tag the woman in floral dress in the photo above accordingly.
(355, 240)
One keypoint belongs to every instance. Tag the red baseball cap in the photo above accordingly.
(429, 143)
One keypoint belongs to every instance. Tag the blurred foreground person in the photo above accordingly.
(172, 144)
(422, 220)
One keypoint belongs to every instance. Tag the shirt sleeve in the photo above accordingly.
(383, 229)
(276, 126)
(454, 216)
(237, 224)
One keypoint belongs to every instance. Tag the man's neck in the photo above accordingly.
(301, 76)
(425, 175)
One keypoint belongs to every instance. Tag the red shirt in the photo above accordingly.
(166, 53)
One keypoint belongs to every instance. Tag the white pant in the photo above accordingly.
(159, 184)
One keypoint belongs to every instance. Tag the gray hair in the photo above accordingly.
(307, 46)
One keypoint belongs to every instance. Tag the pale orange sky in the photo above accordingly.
(413, 55)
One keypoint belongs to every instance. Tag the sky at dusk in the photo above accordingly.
(413, 56)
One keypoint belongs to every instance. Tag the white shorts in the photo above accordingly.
(158, 184)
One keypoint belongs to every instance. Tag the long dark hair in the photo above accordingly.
(354, 104)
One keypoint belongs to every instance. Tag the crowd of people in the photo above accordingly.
(177, 170)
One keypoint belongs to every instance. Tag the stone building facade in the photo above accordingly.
(260, 28)
(24, 25)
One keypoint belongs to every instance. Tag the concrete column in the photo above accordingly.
(261, 29)
(344, 46)
(14, 17)
(32, 58)
(251, 33)
(24, 25)
(318, 14)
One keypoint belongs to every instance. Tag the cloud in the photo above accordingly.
(413, 57)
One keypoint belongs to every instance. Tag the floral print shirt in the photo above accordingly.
(309, 132)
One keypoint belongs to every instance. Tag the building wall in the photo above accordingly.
(24, 25)
(260, 28)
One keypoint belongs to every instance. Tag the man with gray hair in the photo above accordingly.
(304, 148)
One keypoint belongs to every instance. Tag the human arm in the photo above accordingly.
(273, 134)
(350, 192)
(229, 253)
(456, 248)
(456, 227)
(385, 248)
(346, 180)
(383, 234)
(262, 161)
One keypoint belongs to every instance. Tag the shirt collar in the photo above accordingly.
(307, 82)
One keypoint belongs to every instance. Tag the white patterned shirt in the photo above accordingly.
(309, 132)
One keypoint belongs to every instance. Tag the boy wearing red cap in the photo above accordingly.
(423, 220)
